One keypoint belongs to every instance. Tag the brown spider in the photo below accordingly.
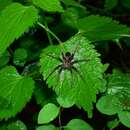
(67, 63)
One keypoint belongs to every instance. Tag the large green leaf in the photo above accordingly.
(15, 91)
(49, 5)
(14, 21)
(79, 87)
(98, 28)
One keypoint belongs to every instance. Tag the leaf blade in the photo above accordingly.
(72, 86)
(14, 21)
(12, 88)
(50, 6)
(97, 28)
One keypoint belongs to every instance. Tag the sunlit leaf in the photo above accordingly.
(79, 87)
(78, 124)
(47, 127)
(15, 91)
(124, 117)
(49, 5)
(109, 105)
(14, 21)
(48, 113)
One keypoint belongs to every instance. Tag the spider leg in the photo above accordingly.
(76, 48)
(82, 60)
(72, 76)
(54, 57)
(57, 67)
(78, 72)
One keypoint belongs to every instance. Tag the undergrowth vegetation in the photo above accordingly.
(64, 64)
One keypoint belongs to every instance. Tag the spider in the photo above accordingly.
(67, 63)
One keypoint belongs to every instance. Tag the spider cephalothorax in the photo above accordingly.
(67, 63)
(67, 60)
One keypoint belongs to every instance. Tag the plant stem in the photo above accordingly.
(60, 125)
(49, 31)
(48, 34)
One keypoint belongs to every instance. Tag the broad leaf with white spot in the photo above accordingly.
(79, 87)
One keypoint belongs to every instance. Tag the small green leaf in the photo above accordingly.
(4, 58)
(97, 28)
(113, 124)
(78, 87)
(14, 21)
(64, 102)
(49, 5)
(110, 4)
(20, 56)
(15, 92)
(48, 113)
(109, 105)
(47, 127)
(18, 125)
(78, 124)
(124, 117)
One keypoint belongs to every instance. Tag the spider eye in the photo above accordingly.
(67, 54)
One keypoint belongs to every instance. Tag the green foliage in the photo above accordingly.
(43, 95)
(78, 124)
(72, 86)
(65, 103)
(72, 3)
(112, 124)
(17, 125)
(88, 37)
(97, 28)
(48, 113)
(14, 125)
(47, 127)
(126, 3)
(4, 3)
(118, 86)
(20, 56)
(15, 91)
(71, 15)
(117, 99)
(108, 104)
(4, 58)
(50, 6)
(124, 117)
(14, 21)
(110, 4)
